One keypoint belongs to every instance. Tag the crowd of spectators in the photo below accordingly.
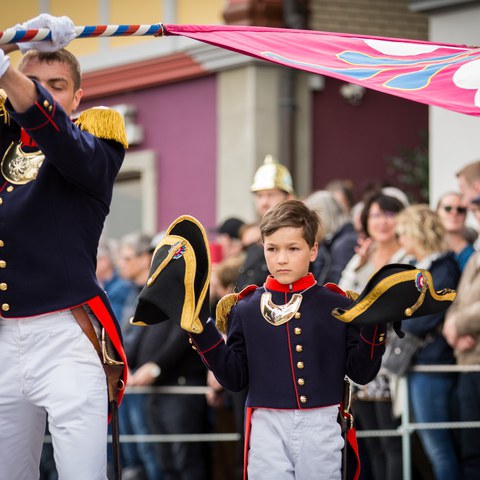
(355, 239)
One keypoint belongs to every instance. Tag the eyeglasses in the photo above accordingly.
(378, 215)
(459, 210)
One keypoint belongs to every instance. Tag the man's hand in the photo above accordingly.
(4, 62)
(450, 331)
(62, 28)
(144, 376)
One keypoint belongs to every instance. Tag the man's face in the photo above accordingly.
(266, 199)
(132, 266)
(469, 190)
(56, 78)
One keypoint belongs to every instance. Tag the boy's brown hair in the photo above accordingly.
(61, 56)
(292, 213)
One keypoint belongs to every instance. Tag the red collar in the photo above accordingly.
(26, 140)
(301, 284)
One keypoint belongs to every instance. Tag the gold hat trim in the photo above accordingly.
(176, 242)
(195, 326)
(390, 281)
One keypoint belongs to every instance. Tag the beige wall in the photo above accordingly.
(98, 53)
(389, 18)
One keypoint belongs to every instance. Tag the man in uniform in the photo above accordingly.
(272, 184)
(56, 185)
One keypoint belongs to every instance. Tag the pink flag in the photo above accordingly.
(444, 75)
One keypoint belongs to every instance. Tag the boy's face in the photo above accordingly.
(288, 255)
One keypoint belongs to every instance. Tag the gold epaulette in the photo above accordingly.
(222, 310)
(3, 111)
(225, 305)
(104, 123)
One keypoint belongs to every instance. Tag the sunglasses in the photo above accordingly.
(459, 210)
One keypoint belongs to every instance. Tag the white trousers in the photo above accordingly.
(48, 367)
(295, 444)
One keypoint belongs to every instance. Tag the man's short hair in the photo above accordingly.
(139, 242)
(292, 213)
(61, 56)
(470, 172)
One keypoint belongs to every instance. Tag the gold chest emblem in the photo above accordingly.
(279, 314)
(20, 167)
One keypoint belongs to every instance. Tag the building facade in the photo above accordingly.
(201, 119)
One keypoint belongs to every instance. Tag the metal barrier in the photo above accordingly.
(405, 429)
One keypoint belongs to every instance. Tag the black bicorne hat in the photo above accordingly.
(394, 293)
(179, 278)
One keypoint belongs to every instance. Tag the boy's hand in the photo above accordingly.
(62, 28)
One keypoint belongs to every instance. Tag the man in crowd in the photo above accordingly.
(462, 331)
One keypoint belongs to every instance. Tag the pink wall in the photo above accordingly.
(180, 126)
(354, 142)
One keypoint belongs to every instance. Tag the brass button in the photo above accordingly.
(303, 399)
(10, 188)
(300, 365)
(3, 286)
(45, 103)
(297, 331)
(50, 108)
(298, 315)
(301, 382)
(3, 263)
(1, 200)
(381, 338)
(299, 348)
(2, 243)
(5, 307)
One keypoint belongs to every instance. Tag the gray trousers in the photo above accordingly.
(295, 444)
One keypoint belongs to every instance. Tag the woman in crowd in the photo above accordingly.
(337, 237)
(372, 402)
(422, 235)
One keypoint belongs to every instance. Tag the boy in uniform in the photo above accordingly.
(284, 345)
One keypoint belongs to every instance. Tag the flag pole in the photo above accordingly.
(12, 35)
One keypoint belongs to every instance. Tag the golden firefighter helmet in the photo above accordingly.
(272, 175)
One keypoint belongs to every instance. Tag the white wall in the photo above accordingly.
(454, 138)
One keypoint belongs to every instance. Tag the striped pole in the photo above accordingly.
(36, 35)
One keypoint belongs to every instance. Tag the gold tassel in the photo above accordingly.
(222, 311)
(3, 111)
(351, 294)
(104, 123)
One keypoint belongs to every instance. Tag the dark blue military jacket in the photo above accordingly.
(300, 364)
(50, 226)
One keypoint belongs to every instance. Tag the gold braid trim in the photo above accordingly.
(104, 123)
(3, 111)
(222, 311)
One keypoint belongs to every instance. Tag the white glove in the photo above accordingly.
(4, 62)
(62, 28)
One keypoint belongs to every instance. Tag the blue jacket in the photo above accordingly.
(445, 274)
(300, 364)
(50, 227)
